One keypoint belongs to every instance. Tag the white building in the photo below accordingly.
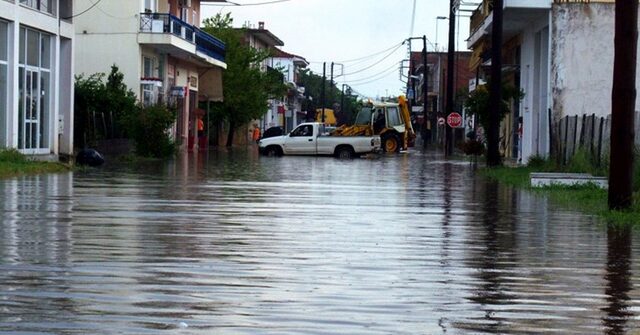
(158, 46)
(36, 76)
(291, 105)
(560, 53)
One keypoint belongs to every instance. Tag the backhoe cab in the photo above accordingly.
(391, 121)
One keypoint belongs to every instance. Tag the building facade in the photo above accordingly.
(288, 113)
(36, 76)
(560, 53)
(437, 65)
(158, 46)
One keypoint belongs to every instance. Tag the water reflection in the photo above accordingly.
(228, 242)
(618, 280)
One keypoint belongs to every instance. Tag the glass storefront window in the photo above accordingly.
(4, 42)
(34, 98)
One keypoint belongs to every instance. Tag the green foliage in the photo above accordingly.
(12, 155)
(13, 163)
(246, 86)
(333, 97)
(148, 128)
(100, 107)
(478, 102)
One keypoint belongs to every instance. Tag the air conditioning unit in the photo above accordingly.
(184, 3)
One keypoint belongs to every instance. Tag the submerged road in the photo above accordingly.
(234, 243)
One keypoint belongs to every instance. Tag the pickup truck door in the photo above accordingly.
(301, 141)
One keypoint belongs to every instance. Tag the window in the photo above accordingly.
(148, 94)
(4, 41)
(184, 14)
(147, 67)
(303, 131)
(34, 87)
(393, 116)
(47, 6)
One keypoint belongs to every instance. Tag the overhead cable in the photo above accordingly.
(86, 10)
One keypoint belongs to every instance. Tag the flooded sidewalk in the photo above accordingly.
(234, 243)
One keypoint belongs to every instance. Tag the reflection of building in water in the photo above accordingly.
(35, 248)
(35, 219)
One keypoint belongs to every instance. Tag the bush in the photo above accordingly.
(12, 156)
(148, 127)
(472, 147)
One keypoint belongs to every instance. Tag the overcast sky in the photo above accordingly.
(343, 30)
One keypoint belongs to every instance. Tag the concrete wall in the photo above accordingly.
(109, 36)
(582, 50)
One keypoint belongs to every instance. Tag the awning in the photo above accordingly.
(211, 85)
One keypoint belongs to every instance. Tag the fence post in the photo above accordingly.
(566, 140)
(600, 141)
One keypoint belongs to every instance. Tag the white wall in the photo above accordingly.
(102, 40)
(534, 74)
(582, 70)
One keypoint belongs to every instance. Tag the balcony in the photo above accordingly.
(172, 35)
(517, 16)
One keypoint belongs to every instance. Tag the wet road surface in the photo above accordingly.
(233, 243)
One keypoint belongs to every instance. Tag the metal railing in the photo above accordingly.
(169, 24)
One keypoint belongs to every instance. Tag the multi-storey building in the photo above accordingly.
(437, 64)
(36, 76)
(560, 53)
(158, 46)
(291, 105)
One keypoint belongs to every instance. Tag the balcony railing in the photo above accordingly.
(168, 24)
(209, 45)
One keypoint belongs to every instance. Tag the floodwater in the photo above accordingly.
(234, 243)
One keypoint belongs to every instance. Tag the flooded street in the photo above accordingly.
(233, 243)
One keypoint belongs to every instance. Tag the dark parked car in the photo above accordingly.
(273, 132)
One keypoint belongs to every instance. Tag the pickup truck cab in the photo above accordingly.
(312, 139)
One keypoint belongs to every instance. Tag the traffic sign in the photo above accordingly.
(454, 120)
(441, 121)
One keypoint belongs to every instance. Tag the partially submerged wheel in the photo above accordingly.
(345, 153)
(272, 152)
(390, 143)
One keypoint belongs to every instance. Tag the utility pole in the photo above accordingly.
(623, 100)
(495, 89)
(450, 84)
(324, 78)
(342, 102)
(331, 89)
(426, 132)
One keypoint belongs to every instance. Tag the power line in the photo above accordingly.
(385, 71)
(233, 4)
(376, 63)
(86, 10)
(371, 55)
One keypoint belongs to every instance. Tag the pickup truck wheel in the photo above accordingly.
(345, 153)
(272, 152)
(390, 143)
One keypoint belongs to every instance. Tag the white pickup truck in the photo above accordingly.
(311, 139)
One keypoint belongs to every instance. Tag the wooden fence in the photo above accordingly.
(587, 132)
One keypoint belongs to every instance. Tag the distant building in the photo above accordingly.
(158, 46)
(36, 76)
(437, 64)
(291, 104)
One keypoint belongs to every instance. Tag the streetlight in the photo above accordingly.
(438, 20)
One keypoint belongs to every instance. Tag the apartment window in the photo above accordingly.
(184, 14)
(34, 87)
(148, 73)
(4, 42)
(47, 6)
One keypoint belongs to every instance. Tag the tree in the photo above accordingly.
(100, 107)
(477, 103)
(333, 96)
(623, 98)
(246, 87)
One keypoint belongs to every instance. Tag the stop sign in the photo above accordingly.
(454, 120)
